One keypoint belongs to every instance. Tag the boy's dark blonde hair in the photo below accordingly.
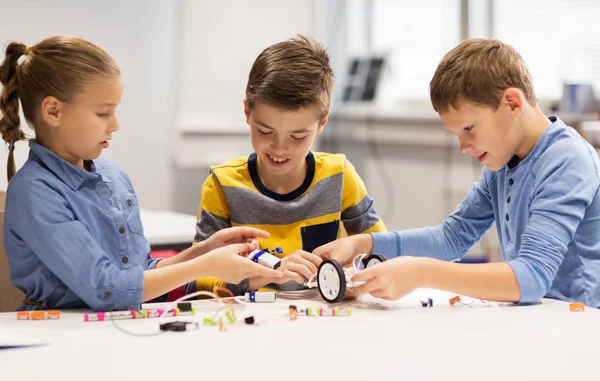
(58, 67)
(290, 75)
(479, 71)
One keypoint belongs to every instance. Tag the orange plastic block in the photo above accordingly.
(577, 307)
(454, 300)
(38, 315)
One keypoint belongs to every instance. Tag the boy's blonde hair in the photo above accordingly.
(58, 67)
(479, 71)
(292, 74)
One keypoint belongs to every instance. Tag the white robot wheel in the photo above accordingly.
(372, 260)
(331, 281)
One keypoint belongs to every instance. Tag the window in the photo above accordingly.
(557, 38)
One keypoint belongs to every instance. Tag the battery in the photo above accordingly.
(265, 258)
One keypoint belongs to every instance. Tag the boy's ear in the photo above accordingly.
(513, 98)
(51, 111)
(246, 111)
(323, 122)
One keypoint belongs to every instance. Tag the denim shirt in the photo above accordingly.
(74, 239)
(547, 214)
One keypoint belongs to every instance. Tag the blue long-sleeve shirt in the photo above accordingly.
(74, 239)
(547, 214)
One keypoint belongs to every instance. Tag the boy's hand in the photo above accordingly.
(298, 266)
(238, 234)
(345, 249)
(230, 264)
(389, 280)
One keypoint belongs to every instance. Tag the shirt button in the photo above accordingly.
(121, 230)
(508, 200)
(507, 218)
(129, 202)
(510, 181)
(125, 260)
(108, 294)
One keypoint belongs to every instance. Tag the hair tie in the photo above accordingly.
(26, 51)
(11, 147)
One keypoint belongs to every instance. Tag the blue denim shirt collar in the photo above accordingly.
(71, 175)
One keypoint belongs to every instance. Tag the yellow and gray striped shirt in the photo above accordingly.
(306, 218)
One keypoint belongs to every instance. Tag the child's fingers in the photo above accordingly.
(370, 286)
(366, 274)
(301, 270)
(312, 268)
(260, 270)
(253, 232)
(326, 250)
(237, 248)
(291, 275)
(314, 259)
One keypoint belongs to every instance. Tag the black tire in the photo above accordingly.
(372, 257)
(342, 277)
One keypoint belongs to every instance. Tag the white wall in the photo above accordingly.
(219, 42)
(142, 36)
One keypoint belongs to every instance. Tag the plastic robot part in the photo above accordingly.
(336, 311)
(265, 258)
(177, 326)
(260, 297)
(209, 321)
(38, 315)
(454, 300)
(577, 307)
(293, 313)
(429, 303)
(333, 280)
(230, 316)
(249, 320)
(372, 260)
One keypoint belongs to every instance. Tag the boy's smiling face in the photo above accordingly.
(488, 135)
(282, 138)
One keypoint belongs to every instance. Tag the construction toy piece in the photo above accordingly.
(454, 300)
(293, 313)
(38, 315)
(209, 321)
(332, 279)
(372, 260)
(577, 307)
(429, 303)
(265, 258)
(249, 320)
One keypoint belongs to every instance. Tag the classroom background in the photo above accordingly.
(185, 65)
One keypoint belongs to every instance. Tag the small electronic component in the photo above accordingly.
(177, 326)
(336, 311)
(261, 297)
(265, 258)
(577, 307)
(38, 315)
(429, 303)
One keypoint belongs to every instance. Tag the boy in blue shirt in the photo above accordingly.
(539, 185)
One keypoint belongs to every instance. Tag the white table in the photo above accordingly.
(168, 230)
(394, 341)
